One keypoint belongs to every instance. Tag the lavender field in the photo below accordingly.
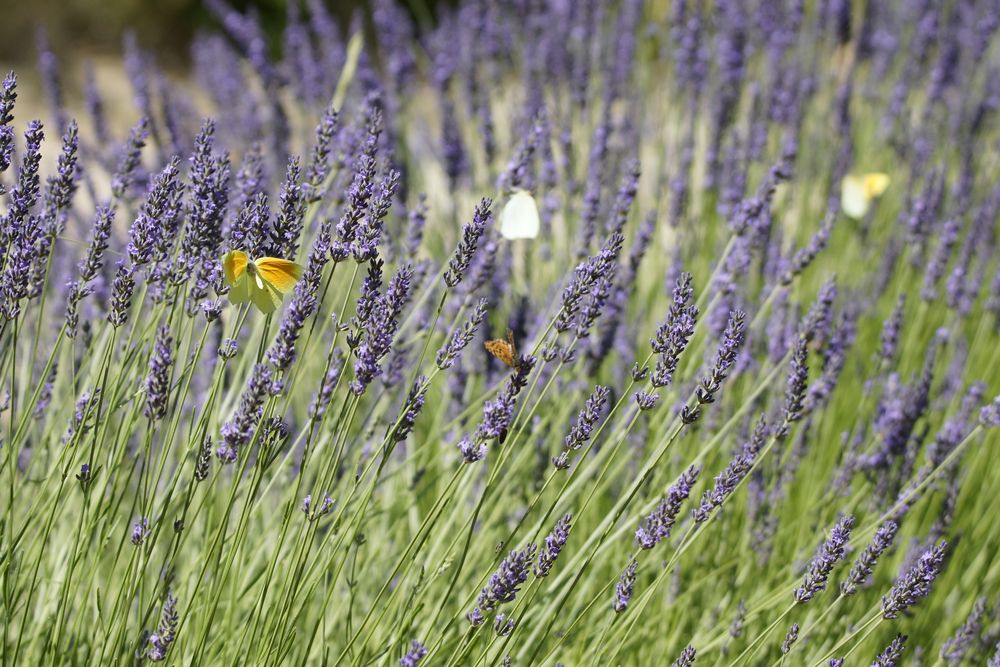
(651, 332)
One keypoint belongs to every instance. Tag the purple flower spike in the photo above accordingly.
(686, 658)
(915, 583)
(658, 525)
(830, 552)
(554, 542)
(504, 583)
(865, 563)
(892, 653)
(414, 655)
(625, 587)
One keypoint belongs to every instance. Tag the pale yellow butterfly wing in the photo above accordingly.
(239, 291)
(263, 294)
(281, 273)
(854, 198)
(519, 218)
(234, 265)
(876, 184)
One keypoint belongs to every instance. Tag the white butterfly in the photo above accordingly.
(859, 191)
(519, 218)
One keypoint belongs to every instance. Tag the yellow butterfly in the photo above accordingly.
(859, 191)
(519, 218)
(261, 281)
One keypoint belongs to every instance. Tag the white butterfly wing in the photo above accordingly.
(854, 197)
(519, 218)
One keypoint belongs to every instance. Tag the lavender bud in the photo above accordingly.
(414, 655)
(790, 638)
(625, 586)
(140, 530)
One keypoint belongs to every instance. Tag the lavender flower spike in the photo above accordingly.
(955, 649)
(625, 586)
(460, 261)
(732, 340)
(158, 380)
(686, 658)
(727, 481)
(914, 584)
(657, 525)
(504, 583)
(554, 542)
(831, 551)
(414, 655)
(865, 563)
(892, 653)
(163, 638)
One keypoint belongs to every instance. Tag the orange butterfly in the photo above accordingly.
(504, 350)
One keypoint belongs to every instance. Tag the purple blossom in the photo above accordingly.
(140, 530)
(915, 582)
(673, 334)
(129, 162)
(504, 583)
(892, 653)
(460, 261)
(727, 481)
(955, 649)
(581, 431)
(239, 430)
(625, 587)
(471, 451)
(121, 295)
(732, 340)
(414, 655)
(320, 156)
(830, 552)
(158, 379)
(380, 329)
(283, 237)
(554, 543)
(460, 338)
(659, 523)
(149, 230)
(865, 563)
(166, 632)
(686, 658)
(790, 638)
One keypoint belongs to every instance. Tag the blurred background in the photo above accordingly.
(87, 36)
(94, 28)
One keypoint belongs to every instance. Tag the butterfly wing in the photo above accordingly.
(854, 198)
(519, 218)
(280, 273)
(876, 183)
(234, 265)
(264, 295)
(500, 349)
(239, 292)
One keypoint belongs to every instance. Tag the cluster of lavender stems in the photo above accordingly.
(750, 240)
